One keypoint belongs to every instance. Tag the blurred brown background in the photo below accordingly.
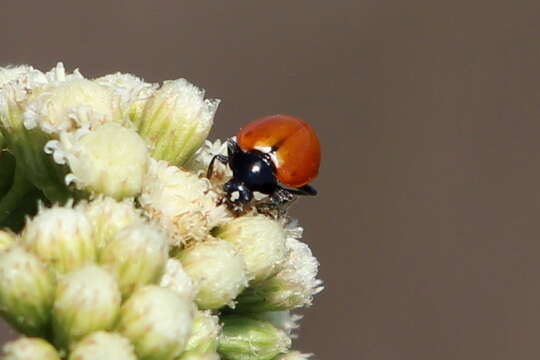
(426, 226)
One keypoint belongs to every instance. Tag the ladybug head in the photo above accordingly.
(237, 192)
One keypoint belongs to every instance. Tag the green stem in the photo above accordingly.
(16, 193)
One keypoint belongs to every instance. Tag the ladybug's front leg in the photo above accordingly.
(222, 159)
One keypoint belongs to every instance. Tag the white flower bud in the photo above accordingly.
(260, 240)
(176, 279)
(294, 355)
(218, 271)
(103, 345)
(157, 321)
(56, 107)
(245, 338)
(181, 203)
(61, 236)
(26, 291)
(177, 120)
(21, 74)
(133, 92)
(108, 216)
(293, 286)
(137, 256)
(204, 336)
(27, 145)
(86, 300)
(6, 239)
(29, 349)
(110, 160)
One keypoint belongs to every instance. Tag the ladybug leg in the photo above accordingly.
(304, 190)
(222, 159)
(282, 196)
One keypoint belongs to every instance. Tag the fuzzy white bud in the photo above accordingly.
(133, 92)
(109, 216)
(157, 321)
(54, 107)
(20, 73)
(103, 345)
(29, 349)
(177, 120)
(176, 279)
(26, 291)
(293, 286)
(25, 144)
(218, 271)
(261, 242)
(62, 236)
(110, 160)
(86, 300)
(136, 255)
(181, 202)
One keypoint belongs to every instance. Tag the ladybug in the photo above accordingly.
(276, 155)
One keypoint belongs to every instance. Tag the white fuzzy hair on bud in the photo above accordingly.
(283, 320)
(301, 268)
(61, 236)
(294, 355)
(136, 255)
(108, 216)
(181, 202)
(29, 349)
(133, 92)
(261, 242)
(157, 321)
(103, 345)
(110, 160)
(176, 279)
(54, 107)
(292, 287)
(86, 300)
(177, 120)
(218, 270)
(21, 74)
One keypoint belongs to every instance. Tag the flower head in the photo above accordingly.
(218, 270)
(29, 348)
(176, 120)
(103, 345)
(181, 202)
(86, 300)
(61, 236)
(131, 251)
(157, 321)
(98, 164)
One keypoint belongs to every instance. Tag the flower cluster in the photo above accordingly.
(114, 244)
